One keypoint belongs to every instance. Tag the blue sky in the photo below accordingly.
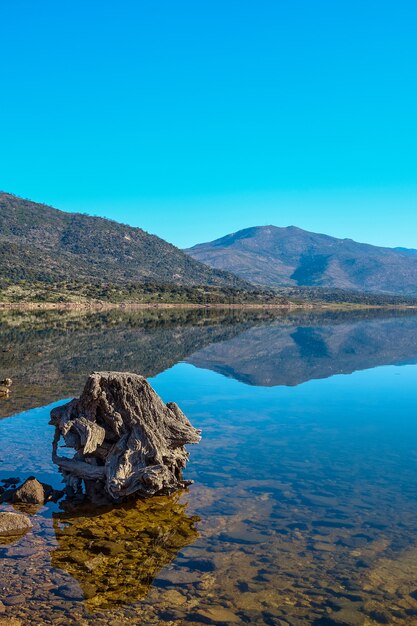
(196, 118)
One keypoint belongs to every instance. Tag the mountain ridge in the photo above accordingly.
(274, 256)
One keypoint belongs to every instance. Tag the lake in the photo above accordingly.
(304, 503)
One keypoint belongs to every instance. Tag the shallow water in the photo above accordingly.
(304, 505)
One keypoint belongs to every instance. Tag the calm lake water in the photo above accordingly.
(304, 505)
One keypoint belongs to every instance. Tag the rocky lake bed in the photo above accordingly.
(303, 508)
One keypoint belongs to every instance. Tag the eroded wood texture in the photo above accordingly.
(127, 441)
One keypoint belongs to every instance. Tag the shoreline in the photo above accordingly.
(104, 306)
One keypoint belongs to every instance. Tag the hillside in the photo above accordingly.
(272, 256)
(40, 243)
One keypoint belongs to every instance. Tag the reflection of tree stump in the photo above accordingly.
(127, 440)
(115, 555)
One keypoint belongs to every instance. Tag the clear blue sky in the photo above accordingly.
(195, 118)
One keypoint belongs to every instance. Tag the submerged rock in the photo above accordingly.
(127, 440)
(13, 524)
(32, 492)
(10, 481)
(6, 495)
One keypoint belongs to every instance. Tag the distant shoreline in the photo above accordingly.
(104, 306)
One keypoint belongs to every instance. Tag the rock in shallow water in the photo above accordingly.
(127, 440)
(13, 524)
(10, 481)
(31, 492)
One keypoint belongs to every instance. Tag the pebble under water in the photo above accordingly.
(304, 505)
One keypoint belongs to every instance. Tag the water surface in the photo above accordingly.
(304, 507)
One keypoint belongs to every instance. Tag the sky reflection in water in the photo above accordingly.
(304, 506)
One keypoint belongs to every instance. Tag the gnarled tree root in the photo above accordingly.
(127, 441)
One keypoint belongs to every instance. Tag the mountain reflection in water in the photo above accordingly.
(48, 354)
(303, 509)
(278, 354)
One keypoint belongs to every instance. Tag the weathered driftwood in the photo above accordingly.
(127, 440)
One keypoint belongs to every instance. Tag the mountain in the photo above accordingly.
(272, 256)
(40, 243)
(406, 250)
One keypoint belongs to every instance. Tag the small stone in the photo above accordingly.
(348, 617)
(14, 600)
(94, 563)
(202, 565)
(110, 548)
(323, 547)
(243, 534)
(179, 577)
(7, 495)
(69, 593)
(217, 615)
(10, 481)
(31, 492)
(382, 617)
(89, 590)
(13, 524)
(174, 597)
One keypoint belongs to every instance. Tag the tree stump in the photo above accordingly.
(127, 441)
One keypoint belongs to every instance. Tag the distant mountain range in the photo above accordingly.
(272, 256)
(406, 251)
(40, 243)
(70, 255)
